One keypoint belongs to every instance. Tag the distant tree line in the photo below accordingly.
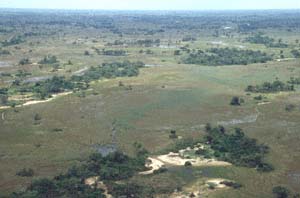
(226, 56)
(15, 40)
(295, 53)
(113, 52)
(4, 52)
(294, 81)
(148, 42)
(270, 87)
(56, 84)
(265, 40)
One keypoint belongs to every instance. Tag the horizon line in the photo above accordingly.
(103, 9)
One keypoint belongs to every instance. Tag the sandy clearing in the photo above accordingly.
(80, 72)
(216, 182)
(95, 182)
(201, 189)
(263, 103)
(153, 164)
(54, 96)
(176, 160)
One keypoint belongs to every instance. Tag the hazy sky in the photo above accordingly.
(153, 4)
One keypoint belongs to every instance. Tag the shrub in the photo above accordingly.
(231, 184)
(37, 117)
(173, 134)
(235, 101)
(290, 107)
(280, 192)
(49, 59)
(25, 172)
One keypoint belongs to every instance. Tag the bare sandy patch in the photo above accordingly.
(218, 183)
(95, 182)
(175, 159)
(153, 164)
(201, 188)
(32, 102)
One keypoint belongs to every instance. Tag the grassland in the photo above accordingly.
(167, 96)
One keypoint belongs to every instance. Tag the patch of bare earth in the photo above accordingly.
(95, 182)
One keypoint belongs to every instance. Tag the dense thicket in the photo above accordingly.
(265, 40)
(58, 84)
(271, 87)
(226, 56)
(113, 167)
(237, 148)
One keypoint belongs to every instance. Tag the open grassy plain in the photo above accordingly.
(166, 95)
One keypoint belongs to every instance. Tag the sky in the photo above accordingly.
(153, 4)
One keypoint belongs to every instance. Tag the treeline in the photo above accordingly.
(113, 52)
(265, 40)
(294, 52)
(13, 41)
(237, 148)
(45, 89)
(49, 59)
(111, 70)
(148, 42)
(111, 168)
(226, 56)
(4, 52)
(294, 81)
(270, 87)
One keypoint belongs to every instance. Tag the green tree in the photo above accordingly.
(280, 192)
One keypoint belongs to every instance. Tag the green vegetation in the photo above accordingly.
(295, 53)
(235, 101)
(163, 107)
(15, 40)
(114, 52)
(281, 192)
(115, 166)
(49, 59)
(24, 61)
(25, 172)
(4, 52)
(59, 84)
(268, 87)
(111, 70)
(267, 41)
(238, 149)
(294, 81)
(227, 56)
(148, 42)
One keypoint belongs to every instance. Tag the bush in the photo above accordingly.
(173, 134)
(37, 117)
(25, 172)
(50, 59)
(290, 107)
(187, 164)
(258, 97)
(231, 184)
(235, 101)
(4, 52)
(281, 192)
